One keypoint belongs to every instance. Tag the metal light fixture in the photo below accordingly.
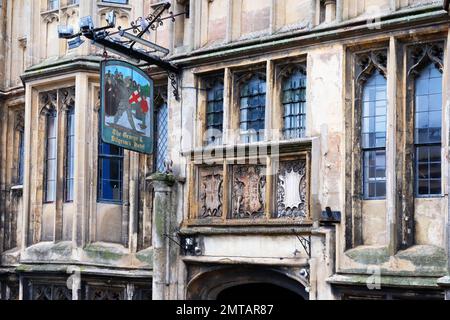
(86, 24)
(111, 19)
(65, 32)
(75, 43)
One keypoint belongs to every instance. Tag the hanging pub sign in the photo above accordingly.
(126, 106)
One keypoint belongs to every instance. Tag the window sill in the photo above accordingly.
(248, 222)
(234, 228)
(250, 149)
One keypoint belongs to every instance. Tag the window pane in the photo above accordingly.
(294, 101)
(374, 164)
(50, 158)
(70, 156)
(374, 112)
(110, 173)
(428, 136)
(161, 137)
(214, 113)
(252, 110)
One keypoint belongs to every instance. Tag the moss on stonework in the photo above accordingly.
(145, 256)
(425, 256)
(168, 178)
(101, 253)
(369, 255)
(389, 281)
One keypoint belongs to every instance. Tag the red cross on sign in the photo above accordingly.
(135, 98)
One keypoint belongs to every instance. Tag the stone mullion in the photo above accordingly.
(357, 192)
(134, 198)
(269, 110)
(125, 196)
(406, 208)
(228, 135)
(226, 191)
(3, 144)
(394, 100)
(61, 153)
(270, 189)
(445, 141)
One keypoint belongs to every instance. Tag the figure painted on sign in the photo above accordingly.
(127, 100)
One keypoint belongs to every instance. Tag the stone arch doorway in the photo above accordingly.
(245, 283)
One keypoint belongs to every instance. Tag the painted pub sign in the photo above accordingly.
(126, 106)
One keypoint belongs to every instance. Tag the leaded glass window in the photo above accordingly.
(428, 135)
(373, 137)
(162, 126)
(21, 157)
(53, 4)
(294, 105)
(70, 155)
(110, 172)
(252, 109)
(214, 112)
(50, 157)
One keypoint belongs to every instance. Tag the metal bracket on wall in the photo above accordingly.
(306, 244)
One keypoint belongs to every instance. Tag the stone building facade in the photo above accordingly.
(308, 154)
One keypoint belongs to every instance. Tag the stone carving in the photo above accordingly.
(292, 190)
(249, 182)
(19, 123)
(67, 99)
(422, 54)
(367, 63)
(210, 195)
(48, 102)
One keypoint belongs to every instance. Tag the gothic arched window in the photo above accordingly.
(50, 156)
(161, 130)
(294, 104)
(214, 112)
(373, 136)
(70, 155)
(428, 127)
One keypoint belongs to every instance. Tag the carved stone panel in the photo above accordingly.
(292, 190)
(210, 192)
(248, 200)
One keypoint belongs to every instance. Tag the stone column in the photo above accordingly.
(330, 11)
(163, 220)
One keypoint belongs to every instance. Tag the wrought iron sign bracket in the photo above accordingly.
(123, 40)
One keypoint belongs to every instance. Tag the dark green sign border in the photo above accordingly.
(130, 141)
